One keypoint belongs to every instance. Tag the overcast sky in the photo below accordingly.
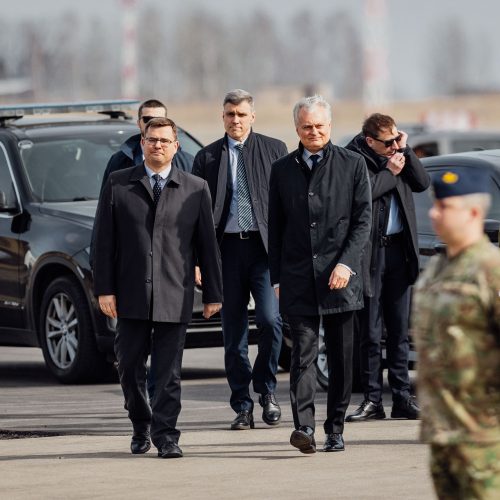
(413, 28)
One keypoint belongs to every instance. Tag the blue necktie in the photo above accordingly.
(315, 160)
(156, 188)
(244, 202)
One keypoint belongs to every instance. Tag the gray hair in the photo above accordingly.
(309, 103)
(237, 96)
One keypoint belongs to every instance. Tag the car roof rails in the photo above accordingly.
(114, 109)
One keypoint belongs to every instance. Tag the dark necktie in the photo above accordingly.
(244, 202)
(315, 160)
(156, 188)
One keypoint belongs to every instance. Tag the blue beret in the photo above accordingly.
(460, 181)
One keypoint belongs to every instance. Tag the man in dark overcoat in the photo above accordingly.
(319, 223)
(153, 223)
(237, 168)
(390, 265)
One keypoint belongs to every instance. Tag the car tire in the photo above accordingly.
(66, 335)
(322, 362)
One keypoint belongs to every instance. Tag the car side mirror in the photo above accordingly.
(7, 206)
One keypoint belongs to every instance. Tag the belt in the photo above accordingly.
(242, 235)
(391, 239)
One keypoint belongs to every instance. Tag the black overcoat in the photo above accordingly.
(315, 222)
(413, 178)
(212, 164)
(145, 258)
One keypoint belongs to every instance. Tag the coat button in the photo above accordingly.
(311, 193)
(150, 254)
(148, 280)
(313, 224)
(315, 256)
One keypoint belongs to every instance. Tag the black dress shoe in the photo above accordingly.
(303, 439)
(407, 408)
(271, 411)
(243, 420)
(141, 443)
(367, 410)
(334, 442)
(170, 450)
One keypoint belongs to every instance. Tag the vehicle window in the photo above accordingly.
(188, 144)
(423, 203)
(8, 198)
(426, 149)
(462, 145)
(68, 169)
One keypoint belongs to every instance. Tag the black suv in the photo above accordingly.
(52, 160)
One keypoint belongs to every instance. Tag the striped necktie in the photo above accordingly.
(244, 202)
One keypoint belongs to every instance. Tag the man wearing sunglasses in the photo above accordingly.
(390, 265)
(130, 153)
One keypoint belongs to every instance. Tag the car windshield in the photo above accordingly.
(69, 165)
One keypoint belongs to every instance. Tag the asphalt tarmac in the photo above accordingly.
(85, 451)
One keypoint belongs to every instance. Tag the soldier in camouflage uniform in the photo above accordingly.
(456, 320)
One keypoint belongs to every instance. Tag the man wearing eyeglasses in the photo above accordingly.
(130, 152)
(390, 266)
(153, 223)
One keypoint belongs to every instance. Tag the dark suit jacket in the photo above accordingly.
(315, 222)
(212, 164)
(412, 179)
(148, 260)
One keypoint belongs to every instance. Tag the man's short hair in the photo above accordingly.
(375, 123)
(237, 96)
(159, 123)
(150, 103)
(309, 103)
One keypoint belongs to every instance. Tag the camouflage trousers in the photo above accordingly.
(466, 471)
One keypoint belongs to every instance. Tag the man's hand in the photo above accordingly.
(197, 276)
(404, 138)
(107, 303)
(396, 163)
(339, 278)
(277, 292)
(210, 309)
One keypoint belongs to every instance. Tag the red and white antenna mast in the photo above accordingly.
(129, 81)
(375, 57)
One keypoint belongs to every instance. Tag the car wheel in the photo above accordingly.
(322, 362)
(66, 335)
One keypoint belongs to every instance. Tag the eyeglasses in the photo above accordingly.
(153, 140)
(147, 119)
(388, 142)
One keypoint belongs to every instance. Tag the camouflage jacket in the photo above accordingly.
(456, 323)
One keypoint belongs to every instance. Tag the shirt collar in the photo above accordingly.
(232, 142)
(163, 174)
(307, 154)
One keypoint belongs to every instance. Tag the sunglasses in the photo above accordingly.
(388, 142)
(147, 119)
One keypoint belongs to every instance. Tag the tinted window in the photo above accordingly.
(8, 198)
(462, 145)
(69, 168)
(188, 144)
